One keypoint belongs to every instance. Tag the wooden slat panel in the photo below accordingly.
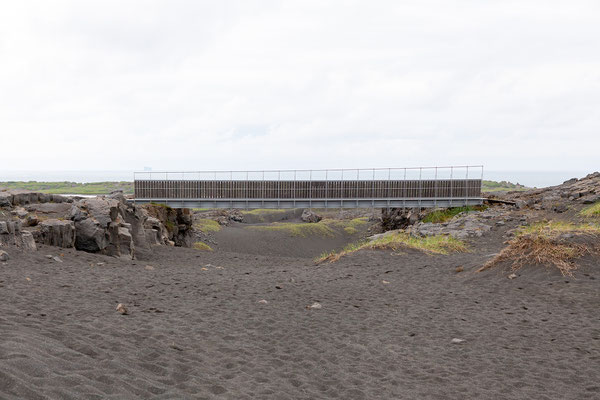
(381, 189)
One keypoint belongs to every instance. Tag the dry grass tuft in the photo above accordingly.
(440, 244)
(547, 243)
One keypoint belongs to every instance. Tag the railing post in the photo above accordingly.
(467, 186)
(435, 192)
(357, 185)
(279, 189)
(420, 186)
(373, 194)
(310, 190)
(326, 187)
(405, 190)
(342, 193)
(481, 182)
(389, 189)
(451, 185)
(166, 191)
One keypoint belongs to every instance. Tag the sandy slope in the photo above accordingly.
(201, 333)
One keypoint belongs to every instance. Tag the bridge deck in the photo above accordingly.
(248, 194)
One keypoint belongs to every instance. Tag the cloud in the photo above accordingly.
(311, 84)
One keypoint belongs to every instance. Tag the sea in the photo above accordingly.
(537, 179)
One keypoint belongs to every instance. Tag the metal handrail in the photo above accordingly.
(307, 170)
(354, 172)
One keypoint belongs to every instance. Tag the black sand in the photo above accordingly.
(196, 329)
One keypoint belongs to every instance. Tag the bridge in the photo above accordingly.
(424, 187)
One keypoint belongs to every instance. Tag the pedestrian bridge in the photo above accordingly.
(424, 187)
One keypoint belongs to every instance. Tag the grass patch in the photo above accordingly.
(445, 214)
(262, 214)
(202, 246)
(554, 228)
(591, 211)
(170, 226)
(263, 211)
(89, 188)
(207, 225)
(298, 229)
(323, 228)
(502, 186)
(350, 230)
(350, 226)
(439, 244)
(544, 243)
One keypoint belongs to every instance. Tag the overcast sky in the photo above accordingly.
(119, 85)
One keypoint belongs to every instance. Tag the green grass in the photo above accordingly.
(493, 186)
(301, 229)
(439, 244)
(350, 226)
(350, 230)
(262, 214)
(202, 246)
(551, 229)
(324, 228)
(591, 211)
(263, 211)
(445, 214)
(170, 226)
(207, 225)
(70, 187)
(346, 223)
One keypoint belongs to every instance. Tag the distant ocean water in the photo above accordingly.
(527, 178)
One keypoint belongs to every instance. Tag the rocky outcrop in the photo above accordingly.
(155, 231)
(557, 198)
(398, 218)
(108, 225)
(177, 224)
(462, 226)
(14, 197)
(27, 241)
(91, 235)
(11, 234)
(55, 232)
(5, 200)
(310, 216)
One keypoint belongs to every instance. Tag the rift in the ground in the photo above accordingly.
(104, 298)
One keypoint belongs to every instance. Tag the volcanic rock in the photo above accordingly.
(54, 232)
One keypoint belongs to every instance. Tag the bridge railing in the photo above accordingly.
(331, 187)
